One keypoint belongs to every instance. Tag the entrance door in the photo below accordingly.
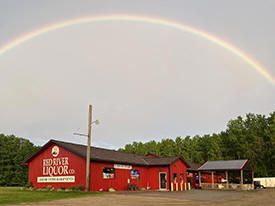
(162, 181)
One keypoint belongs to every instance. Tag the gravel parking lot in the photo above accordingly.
(193, 197)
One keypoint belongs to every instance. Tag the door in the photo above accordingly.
(162, 181)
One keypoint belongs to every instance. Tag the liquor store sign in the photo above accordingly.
(56, 169)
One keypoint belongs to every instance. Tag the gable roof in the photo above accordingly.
(106, 155)
(193, 166)
(226, 165)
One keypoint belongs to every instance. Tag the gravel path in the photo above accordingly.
(193, 197)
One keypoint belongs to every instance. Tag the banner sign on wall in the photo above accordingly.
(126, 167)
(56, 179)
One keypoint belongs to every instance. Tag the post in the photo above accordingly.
(88, 150)
(241, 179)
(199, 179)
(169, 177)
(252, 180)
(227, 184)
(212, 173)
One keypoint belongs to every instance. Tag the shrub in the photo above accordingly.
(49, 188)
(28, 185)
(79, 187)
(72, 188)
(62, 188)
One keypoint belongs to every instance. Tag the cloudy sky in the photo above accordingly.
(146, 81)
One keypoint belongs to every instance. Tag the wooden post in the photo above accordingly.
(227, 183)
(252, 186)
(87, 188)
(212, 173)
(241, 179)
(200, 179)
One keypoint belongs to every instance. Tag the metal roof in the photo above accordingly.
(107, 155)
(226, 165)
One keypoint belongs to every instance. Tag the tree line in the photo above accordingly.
(13, 152)
(252, 137)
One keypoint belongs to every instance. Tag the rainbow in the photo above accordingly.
(226, 45)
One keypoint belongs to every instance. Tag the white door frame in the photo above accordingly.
(160, 181)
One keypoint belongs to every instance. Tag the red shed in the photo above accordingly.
(63, 164)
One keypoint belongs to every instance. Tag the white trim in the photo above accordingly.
(160, 182)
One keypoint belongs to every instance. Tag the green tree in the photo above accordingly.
(13, 152)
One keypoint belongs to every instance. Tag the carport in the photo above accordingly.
(227, 166)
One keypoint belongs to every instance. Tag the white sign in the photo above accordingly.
(125, 167)
(56, 179)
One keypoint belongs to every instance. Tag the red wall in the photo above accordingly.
(121, 177)
(76, 167)
(205, 178)
(153, 176)
(178, 167)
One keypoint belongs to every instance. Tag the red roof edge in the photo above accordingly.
(244, 164)
(49, 143)
(202, 165)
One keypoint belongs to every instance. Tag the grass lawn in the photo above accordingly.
(14, 195)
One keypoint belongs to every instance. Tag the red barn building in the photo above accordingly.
(62, 164)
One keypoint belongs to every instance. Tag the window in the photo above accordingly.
(108, 173)
(135, 174)
(182, 177)
(175, 177)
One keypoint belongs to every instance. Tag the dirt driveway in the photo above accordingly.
(193, 197)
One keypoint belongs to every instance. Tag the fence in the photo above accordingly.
(222, 186)
(266, 181)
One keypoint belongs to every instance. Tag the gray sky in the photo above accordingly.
(146, 81)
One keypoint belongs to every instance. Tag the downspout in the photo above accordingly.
(169, 180)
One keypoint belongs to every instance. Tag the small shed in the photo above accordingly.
(228, 166)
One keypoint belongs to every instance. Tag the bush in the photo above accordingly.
(72, 188)
(49, 188)
(62, 188)
(79, 188)
(28, 185)
(76, 188)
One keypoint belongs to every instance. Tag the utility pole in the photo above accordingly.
(88, 150)
(88, 155)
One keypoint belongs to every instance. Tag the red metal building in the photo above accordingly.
(62, 164)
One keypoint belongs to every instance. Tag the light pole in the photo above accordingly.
(88, 162)
(88, 154)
